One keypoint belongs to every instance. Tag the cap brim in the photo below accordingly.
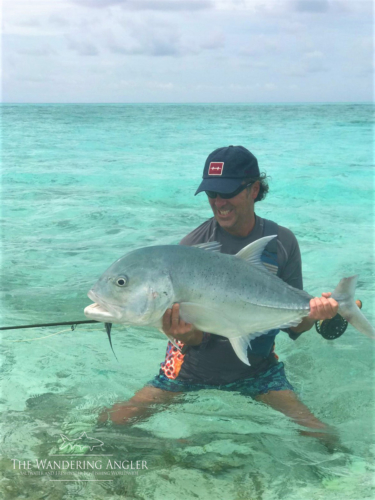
(219, 185)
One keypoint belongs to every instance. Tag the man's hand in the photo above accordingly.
(323, 307)
(175, 327)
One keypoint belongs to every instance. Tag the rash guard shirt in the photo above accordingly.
(214, 361)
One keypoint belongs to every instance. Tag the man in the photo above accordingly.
(233, 184)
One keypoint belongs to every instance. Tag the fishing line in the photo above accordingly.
(37, 338)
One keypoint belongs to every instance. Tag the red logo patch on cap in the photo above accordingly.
(216, 168)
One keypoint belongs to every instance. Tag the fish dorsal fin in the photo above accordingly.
(211, 246)
(252, 252)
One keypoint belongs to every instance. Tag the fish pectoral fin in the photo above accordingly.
(174, 343)
(207, 319)
(171, 339)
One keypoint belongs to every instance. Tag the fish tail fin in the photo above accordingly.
(344, 295)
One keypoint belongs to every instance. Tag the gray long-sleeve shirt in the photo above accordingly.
(214, 361)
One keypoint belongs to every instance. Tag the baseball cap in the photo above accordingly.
(226, 168)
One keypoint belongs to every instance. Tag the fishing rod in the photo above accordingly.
(72, 323)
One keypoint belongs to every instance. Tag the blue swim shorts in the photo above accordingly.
(274, 379)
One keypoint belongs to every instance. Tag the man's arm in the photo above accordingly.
(321, 308)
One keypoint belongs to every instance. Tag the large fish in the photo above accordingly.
(233, 296)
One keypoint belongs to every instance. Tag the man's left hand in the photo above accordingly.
(323, 307)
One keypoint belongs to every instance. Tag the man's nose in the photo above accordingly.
(219, 202)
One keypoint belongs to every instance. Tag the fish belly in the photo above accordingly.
(239, 320)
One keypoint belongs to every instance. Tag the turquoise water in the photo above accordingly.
(84, 184)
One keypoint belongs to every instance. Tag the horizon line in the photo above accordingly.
(190, 102)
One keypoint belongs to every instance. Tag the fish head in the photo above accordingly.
(134, 292)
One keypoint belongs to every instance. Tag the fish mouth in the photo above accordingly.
(100, 311)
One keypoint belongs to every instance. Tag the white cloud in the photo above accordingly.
(314, 62)
(314, 55)
(58, 20)
(268, 7)
(147, 38)
(160, 86)
(311, 5)
(152, 5)
(36, 52)
(260, 44)
(270, 86)
(215, 40)
(82, 47)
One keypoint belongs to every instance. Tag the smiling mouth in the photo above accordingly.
(224, 213)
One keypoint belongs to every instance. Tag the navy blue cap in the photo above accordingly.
(226, 168)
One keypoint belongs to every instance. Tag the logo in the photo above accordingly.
(61, 464)
(216, 168)
(80, 443)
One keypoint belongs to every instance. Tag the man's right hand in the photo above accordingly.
(175, 327)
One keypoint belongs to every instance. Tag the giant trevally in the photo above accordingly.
(233, 296)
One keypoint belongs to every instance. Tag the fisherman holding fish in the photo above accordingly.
(197, 358)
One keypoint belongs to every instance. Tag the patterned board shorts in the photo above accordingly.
(273, 379)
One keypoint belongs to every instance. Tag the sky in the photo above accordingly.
(115, 51)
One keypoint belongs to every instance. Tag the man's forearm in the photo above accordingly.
(304, 326)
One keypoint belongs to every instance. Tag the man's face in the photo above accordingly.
(235, 214)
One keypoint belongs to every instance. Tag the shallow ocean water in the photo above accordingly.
(82, 185)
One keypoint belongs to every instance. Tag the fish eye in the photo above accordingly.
(122, 281)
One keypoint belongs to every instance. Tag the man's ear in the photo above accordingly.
(254, 190)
